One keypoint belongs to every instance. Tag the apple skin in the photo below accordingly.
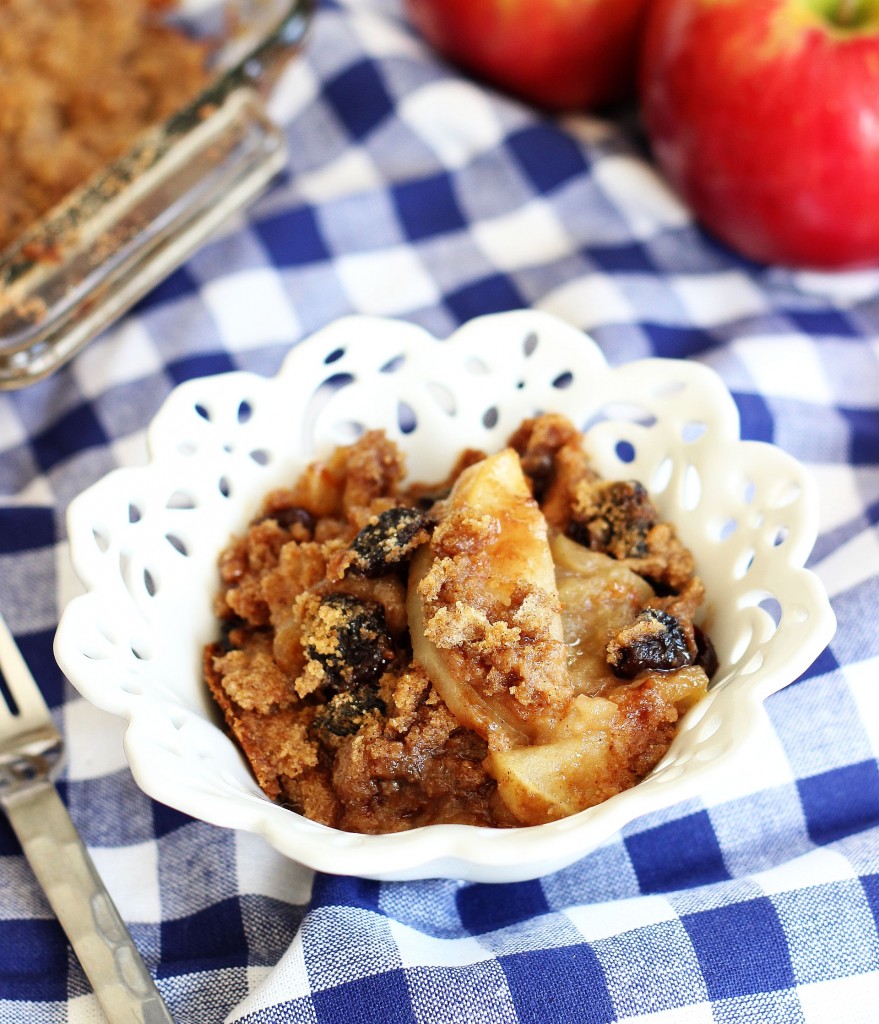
(556, 54)
(764, 116)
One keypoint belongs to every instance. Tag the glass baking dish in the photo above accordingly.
(86, 262)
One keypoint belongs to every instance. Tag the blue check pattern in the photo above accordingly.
(413, 192)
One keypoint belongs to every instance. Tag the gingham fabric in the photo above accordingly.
(413, 192)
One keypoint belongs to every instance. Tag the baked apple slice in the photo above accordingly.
(484, 612)
(572, 771)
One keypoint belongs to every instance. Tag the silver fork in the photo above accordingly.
(31, 751)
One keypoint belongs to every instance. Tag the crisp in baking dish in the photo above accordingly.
(85, 262)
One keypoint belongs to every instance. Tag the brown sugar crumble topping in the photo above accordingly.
(504, 648)
(80, 79)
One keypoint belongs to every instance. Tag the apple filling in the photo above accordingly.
(508, 647)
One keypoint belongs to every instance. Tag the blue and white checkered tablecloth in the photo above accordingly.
(413, 192)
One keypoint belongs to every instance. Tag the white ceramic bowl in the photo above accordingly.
(145, 541)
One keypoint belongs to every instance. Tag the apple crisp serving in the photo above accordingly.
(507, 647)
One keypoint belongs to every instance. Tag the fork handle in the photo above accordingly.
(98, 934)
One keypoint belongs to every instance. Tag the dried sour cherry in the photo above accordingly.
(388, 540)
(345, 713)
(654, 642)
(350, 642)
(614, 518)
(230, 636)
(706, 656)
(295, 515)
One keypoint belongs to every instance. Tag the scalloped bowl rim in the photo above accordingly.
(365, 348)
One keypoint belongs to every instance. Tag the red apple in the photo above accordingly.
(558, 54)
(764, 115)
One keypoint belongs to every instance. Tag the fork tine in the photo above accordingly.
(30, 751)
(31, 708)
